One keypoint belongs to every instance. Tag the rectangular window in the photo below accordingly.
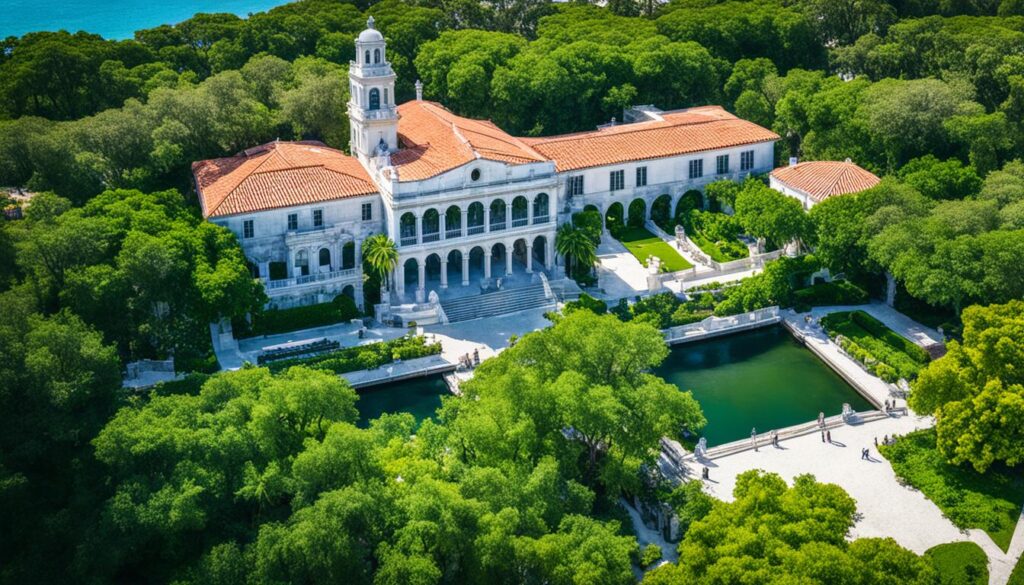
(616, 180)
(641, 176)
(576, 185)
(367, 211)
(722, 164)
(293, 221)
(247, 229)
(697, 168)
(746, 160)
(318, 218)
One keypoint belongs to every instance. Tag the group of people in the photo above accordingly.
(865, 453)
(886, 440)
(890, 405)
(468, 361)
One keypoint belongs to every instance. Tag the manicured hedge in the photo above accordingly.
(959, 563)
(587, 302)
(831, 293)
(190, 384)
(363, 357)
(879, 330)
(870, 349)
(342, 308)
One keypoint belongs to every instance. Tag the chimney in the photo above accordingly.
(793, 160)
(419, 90)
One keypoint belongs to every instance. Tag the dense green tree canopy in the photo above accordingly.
(776, 533)
(976, 391)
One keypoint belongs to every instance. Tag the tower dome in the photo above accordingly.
(371, 34)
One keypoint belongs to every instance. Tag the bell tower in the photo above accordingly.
(371, 106)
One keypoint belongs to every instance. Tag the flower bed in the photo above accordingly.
(363, 357)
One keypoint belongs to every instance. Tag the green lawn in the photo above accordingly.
(959, 563)
(989, 501)
(642, 243)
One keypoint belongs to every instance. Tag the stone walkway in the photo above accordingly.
(885, 507)
(619, 273)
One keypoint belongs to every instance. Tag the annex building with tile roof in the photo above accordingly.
(812, 182)
(470, 207)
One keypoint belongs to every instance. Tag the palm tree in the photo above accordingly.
(381, 253)
(577, 245)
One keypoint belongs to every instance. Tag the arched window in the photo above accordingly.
(376, 56)
(375, 99)
(367, 56)
(325, 257)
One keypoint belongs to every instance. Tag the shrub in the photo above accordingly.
(831, 293)
(587, 302)
(363, 357)
(897, 341)
(959, 563)
(342, 308)
(870, 349)
(190, 385)
(650, 555)
(684, 316)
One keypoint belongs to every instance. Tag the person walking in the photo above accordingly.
(753, 437)
(705, 473)
(876, 442)
(828, 435)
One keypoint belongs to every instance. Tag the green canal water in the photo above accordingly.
(762, 378)
(419, 396)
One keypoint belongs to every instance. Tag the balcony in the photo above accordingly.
(431, 237)
(520, 222)
(452, 234)
(539, 219)
(272, 285)
(474, 230)
(498, 226)
(408, 241)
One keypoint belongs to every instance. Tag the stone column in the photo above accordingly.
(549, 253)
(529, 211)
(444, 272)
(508, 260)
(265, 270)
(487, 263)
(508, 216)
(291, 263)
(529, 258)
(422, 266)
(487, 219)
(465, 269)
(359, 256)
(419, 228)
(400, 281)
(463, 221)
(442, 222)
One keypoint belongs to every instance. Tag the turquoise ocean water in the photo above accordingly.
(114, 19)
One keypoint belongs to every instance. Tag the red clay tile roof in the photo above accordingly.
(278, 174)
(679, 132)
(822, 179)
(435, 140)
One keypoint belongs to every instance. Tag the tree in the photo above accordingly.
(578, 247)
(582, 384)
(766, 213)
(381, 255)
(976, 391)
(793, 534)
(936, 179)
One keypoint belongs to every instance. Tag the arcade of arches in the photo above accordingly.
(483, 261)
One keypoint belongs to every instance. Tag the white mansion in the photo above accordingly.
(466, 203)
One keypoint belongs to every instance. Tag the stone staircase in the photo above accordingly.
(500, 302)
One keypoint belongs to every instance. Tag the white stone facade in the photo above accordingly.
(467, 225)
